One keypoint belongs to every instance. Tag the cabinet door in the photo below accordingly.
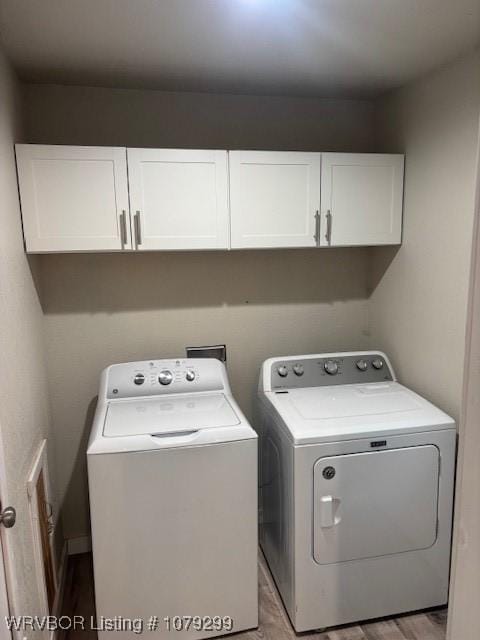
(274, 198)
(179, 198)
(362, 196)
(73, 198)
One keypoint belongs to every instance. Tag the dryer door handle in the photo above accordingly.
(328, 507)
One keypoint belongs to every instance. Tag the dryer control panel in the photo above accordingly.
(159, 377)
(329, 369)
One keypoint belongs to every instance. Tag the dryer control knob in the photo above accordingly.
(331, 367)
(165, 377)
(282, 371)
(139, 378)
(298, 369)
(377, 363)
(362, 365)
(190, 375)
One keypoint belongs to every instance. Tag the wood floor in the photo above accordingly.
(274, 623)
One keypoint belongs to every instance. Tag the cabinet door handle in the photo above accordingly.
(328, 234)
(138, 229)
(316, 236)
(123, 228)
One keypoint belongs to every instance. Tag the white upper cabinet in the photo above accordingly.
(84, 199)
(274, 198)
(178, 198)
(73, 198)
(362, 197)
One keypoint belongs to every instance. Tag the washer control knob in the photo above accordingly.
(377, 363)
(331, 367)
(165, 377)
(139, 378)
(190, 375)
(282, 371)
(362, 365)
(298, 369)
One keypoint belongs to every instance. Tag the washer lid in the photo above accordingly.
(168, 415)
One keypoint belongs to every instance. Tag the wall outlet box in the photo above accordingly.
(218, 351)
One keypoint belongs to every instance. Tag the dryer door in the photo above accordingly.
(374, 504)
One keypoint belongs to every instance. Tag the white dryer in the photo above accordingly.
(172, 469)
(357, 476)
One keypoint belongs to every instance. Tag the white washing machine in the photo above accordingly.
(357, 476)
(172, 469)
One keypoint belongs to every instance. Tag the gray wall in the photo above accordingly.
(24, 408)
(101, 309)
(82, 115)
(419, 292)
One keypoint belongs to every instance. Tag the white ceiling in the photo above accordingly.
(303, 47)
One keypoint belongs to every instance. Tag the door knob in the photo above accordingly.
(8, 517)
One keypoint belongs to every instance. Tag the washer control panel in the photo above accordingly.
(330, 369)
(156, 377)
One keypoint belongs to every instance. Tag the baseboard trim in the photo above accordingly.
(82, 544)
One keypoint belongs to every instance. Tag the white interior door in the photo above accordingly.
(178, 198)
(375, 504)
(274, 198)
(4, 600)
(4, 610)
(73, 198)
(362, 199)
